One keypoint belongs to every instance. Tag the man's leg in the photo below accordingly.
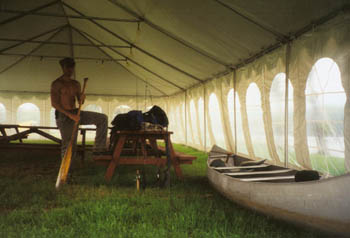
(101, 122)
(65, 125)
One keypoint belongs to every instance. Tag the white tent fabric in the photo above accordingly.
(241, 74)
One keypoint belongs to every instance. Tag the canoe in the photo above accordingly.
(323, 204)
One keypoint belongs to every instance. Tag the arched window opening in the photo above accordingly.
(241, 145)
(216, 120)
(121, 109)
(255, 121)
(28, 114)
(325, 101)
(2, 113)
(231, 111)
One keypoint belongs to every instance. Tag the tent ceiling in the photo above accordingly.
(122, 45)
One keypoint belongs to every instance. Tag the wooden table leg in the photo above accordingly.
(3, 132)
(20, 139)
(83, 133)
(153, 143)
(143, 148)
(116, 155)
(174, 161)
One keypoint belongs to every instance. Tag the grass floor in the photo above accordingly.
(88, 206)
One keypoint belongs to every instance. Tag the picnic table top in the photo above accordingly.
(145, 132)
(8, 126)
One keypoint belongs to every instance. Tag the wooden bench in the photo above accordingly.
(9, 142)
(181, 157)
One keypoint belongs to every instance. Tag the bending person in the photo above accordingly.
(64, 93)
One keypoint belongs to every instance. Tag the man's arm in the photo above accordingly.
(56, 102)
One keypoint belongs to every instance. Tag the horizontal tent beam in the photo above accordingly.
(135, 46)
(60, 57)
(58, 43)
(71, 16)
(119, 63)
(136, 63)
(25, 13)
(32, 38)
(87, 94)
(167, 33)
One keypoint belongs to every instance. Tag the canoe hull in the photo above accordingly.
(322, 204)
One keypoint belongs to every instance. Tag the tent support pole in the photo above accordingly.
(234, 108)
(135, 46)
(59, 43)
(278, 45)
(170, 35)
(23, 14)
(70, 34)
(32, 51)
(288, 49)
(186, 117)
(71, 16)
(60, 57)
(88, 94)
(32, 38)
(129, 59)
(84, 36)
(280, 36)
(205, 117)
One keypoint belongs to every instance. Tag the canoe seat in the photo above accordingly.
(252, 162)
(242, 173)
(266, 179)
(242, 167)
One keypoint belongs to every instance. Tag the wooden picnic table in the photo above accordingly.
(125, 151)
(5, 139)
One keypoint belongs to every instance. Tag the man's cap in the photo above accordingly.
(68, 62)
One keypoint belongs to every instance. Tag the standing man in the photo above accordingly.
(64, 93)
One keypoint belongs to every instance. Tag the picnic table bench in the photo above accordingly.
(5, 139)
(141, 148)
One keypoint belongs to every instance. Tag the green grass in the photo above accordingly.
(88, 206)
(332, 165)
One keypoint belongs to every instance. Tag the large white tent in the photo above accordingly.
(264, 79)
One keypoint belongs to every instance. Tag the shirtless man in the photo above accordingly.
(64, 92)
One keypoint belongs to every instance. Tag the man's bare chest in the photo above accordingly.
(68, 89)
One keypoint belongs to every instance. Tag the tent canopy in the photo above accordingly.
(126, 47)
(263, 79)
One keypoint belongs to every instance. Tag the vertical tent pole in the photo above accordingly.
(234, 109)
(286, 106)
(205, 118)
(109, 111)
(186, 117)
